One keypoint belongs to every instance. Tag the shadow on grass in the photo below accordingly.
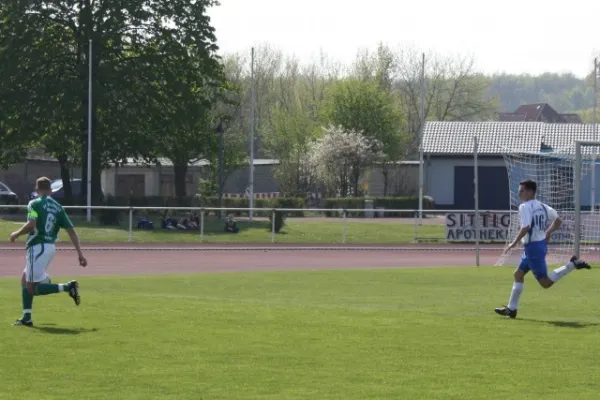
(63, 331)
(563, 324)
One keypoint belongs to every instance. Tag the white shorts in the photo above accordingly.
(39, 257)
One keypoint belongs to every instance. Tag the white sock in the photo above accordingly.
(560, 273)
(61, 287)
(515, 295)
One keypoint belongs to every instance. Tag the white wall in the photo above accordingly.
(151, 179)
(586, 188)
(439, 178)
(439, 175)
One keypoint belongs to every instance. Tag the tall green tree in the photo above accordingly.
(290, 141)
(363, 106)
(37, 92)
(185, 91)
(125, 38)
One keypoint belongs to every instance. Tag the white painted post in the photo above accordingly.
(202, 225)
(344, 230)
(273, 227)
(131, 224)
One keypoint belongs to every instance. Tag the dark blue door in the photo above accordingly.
(493, 188)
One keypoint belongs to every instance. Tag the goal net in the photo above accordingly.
(555, 172)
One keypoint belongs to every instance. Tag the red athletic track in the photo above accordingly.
(162, 258)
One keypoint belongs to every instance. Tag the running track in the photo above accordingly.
(156, 258)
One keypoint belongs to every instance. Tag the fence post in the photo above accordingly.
(344, 231)
(130, 224)
(416, 236)
(201, 225)
(273, 228)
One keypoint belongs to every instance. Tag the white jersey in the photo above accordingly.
(538, 217)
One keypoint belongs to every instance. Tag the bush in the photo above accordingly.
(389, 203)
(109, 216)
(290, 202)
(279, 221)
(344, 203)
(242, 202)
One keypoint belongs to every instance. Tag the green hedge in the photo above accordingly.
(389, 203)
(110, 217)
(113, 216)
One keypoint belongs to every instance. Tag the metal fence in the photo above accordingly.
(425, 226)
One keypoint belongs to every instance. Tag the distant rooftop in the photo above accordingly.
(538, 112)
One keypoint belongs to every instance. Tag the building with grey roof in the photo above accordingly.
(448, 152)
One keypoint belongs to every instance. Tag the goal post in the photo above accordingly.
(581, 159)
(564, 183)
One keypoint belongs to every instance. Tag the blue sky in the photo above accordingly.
(511, 36)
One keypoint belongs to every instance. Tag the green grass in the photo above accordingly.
(381, 334)
(295, 231)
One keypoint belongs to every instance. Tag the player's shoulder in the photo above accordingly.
(55, 204)
(34, 203)
(541, 203)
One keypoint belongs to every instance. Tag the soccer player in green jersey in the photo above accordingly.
(45, 217)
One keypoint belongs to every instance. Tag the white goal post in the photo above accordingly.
(563, 182)
(583, 160)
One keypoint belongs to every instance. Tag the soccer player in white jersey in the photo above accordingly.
(538, 221)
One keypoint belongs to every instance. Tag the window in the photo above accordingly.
(3, 188)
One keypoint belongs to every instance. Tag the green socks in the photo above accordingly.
(27, 304)
(41, 289)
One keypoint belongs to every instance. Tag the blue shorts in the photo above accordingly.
(534, 259)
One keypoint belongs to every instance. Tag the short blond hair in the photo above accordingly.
(43, 183)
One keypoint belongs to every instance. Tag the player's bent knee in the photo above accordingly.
(545, 282)
(519, 275)
(31, 289)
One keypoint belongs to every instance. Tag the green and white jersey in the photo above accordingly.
(49, 217)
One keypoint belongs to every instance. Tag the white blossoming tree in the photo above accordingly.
(339, 158)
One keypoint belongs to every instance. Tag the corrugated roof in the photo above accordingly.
(455, 138)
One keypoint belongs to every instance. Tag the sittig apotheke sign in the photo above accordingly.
(494, 228)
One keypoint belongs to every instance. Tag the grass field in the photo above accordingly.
(295, 231)
(380, 334)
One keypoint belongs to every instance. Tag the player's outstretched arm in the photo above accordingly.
(524, 217)
(524, 230)
(75, 240)
(24, 230)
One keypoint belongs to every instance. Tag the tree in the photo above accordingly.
(290, 129)
(129, 40)
(37, 92)
(290, 141)
(361, 105)
(181, 119)
(453, 90)
(339, 158)
(288, 103)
